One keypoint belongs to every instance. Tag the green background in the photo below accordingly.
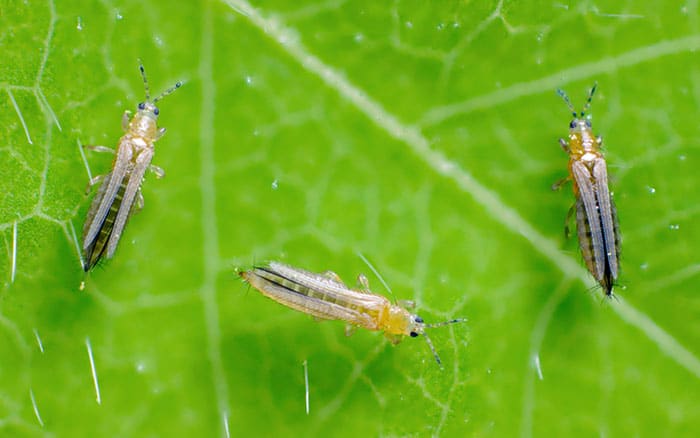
(422, 135)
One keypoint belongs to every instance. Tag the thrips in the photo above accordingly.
(120, 190)
(325, 296)
(596, 217)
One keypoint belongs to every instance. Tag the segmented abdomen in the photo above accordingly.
(93, 251)
(597, 257)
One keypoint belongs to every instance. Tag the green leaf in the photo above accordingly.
(420, 135)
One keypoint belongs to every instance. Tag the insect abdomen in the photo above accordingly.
(96, 249)
(597, 259)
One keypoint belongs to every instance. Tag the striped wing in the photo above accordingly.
(315, 294)
(94, 207)
(105, 197)
(607, 215)
(94, 250)
(333, 290)
(589, 229)
(133, 183)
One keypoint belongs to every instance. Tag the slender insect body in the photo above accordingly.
(596, 216)
(114, 202)
(324, 296)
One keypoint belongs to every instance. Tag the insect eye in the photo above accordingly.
(142, 105)
(418, 319)
(572, 125)
(413, 334)
(156, 111)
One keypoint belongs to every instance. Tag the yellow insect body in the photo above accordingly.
(325, 296)
(596, 216)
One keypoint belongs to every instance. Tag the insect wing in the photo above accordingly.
(292, 292)
(607, 214)
(328, 288)
(93, 248)
(94, 206)
(587, 194)
(132, 188)
(119, 170)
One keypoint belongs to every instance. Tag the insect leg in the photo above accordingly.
(557, 185)
(126, 117)
(407, 304)
(393, 338)
(97, 148)
(160, 133)
(567, 222)
(138, 203)
(363, 282)
(95, 180)
(333, 276)
(350, 329)
(158, 171)
(564, 145)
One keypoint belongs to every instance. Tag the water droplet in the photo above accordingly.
(651, 190)
(682, 157)
(540, 37)
(80, 23)
(644, 266)
(140, 367)
(441, 26)
(249, 80)
(359, 37)
(275, 184)
(288, 37)
(456, 25)
(119, 15)
(158, 40)
(409, 25)
(674, 227)
(256, 132)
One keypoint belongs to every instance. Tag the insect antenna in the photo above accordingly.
(438, 324)
(563, 95)
(177, 85)
(145, 81)
(590, 97)
(432, 348)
